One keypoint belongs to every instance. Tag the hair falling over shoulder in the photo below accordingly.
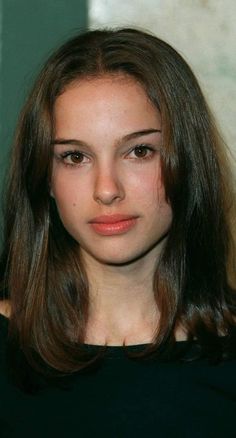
(43, 275)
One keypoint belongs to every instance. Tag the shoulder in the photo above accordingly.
(5, 308)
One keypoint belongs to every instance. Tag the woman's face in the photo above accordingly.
(106, 177)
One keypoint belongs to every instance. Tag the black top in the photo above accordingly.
(125, 399)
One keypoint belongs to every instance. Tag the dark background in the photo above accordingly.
(29, 31)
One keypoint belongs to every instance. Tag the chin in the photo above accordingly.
(119, 261)
(123, 259)
(113, 260)
(124, 255)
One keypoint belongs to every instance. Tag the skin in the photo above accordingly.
(106, 175)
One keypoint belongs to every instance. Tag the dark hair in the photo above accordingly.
(44, 277)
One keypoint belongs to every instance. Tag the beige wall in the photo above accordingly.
(203, 31)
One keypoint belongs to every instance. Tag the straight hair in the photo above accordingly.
(44, 277)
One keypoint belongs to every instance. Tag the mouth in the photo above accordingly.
(112, 219)
(109, 225)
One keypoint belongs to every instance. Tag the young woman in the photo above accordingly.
(117, 313)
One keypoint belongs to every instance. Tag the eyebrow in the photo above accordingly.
(127, 137)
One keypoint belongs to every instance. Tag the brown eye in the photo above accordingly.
(141, 151)
(73, 158)
(76, 158)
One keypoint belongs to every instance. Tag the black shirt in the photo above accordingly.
(124, 399)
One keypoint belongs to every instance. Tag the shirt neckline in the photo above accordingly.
(111, 347)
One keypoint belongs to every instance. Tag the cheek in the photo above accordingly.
(67, 195)
(147, 186)
(149, 193)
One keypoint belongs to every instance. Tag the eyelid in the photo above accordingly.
(144, 145)
(67, 154)
(149, 146)
(69, 149)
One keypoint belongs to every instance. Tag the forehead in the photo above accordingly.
(100, 105)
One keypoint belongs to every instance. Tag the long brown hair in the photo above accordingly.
(43, 275)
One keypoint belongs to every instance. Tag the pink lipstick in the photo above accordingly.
(109, 225)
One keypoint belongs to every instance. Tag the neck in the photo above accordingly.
(122, 304)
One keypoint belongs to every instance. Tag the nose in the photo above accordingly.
(108, 187)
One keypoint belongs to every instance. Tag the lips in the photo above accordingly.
(111, 219)
(109, 225)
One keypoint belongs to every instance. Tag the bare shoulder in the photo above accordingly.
(5, 308)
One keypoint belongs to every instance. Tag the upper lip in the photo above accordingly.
(112, 219)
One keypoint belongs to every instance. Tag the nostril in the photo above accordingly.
(107, 190)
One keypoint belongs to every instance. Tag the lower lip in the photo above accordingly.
(115, 228)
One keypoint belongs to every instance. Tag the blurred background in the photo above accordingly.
(203, 31)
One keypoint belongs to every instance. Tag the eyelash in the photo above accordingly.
(144, 147)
